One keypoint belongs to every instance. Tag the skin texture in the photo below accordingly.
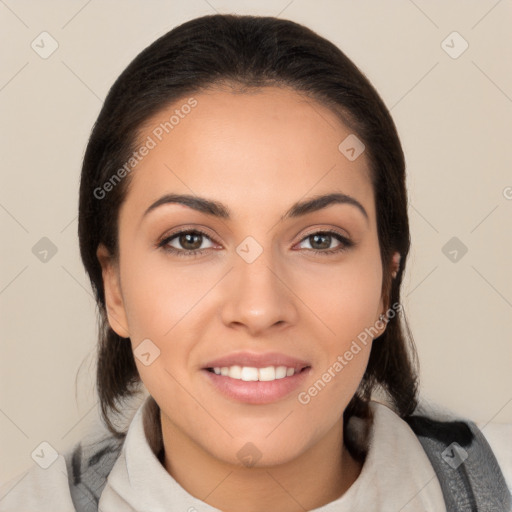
(258, 153)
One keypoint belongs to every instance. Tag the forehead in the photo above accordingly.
(253, 149)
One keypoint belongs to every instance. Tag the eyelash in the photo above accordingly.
(163, 244)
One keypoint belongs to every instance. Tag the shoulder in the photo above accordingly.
(38, 490)
(88, 467)
(433, 420)
(499, 437)
(472, 462)
(73, 481)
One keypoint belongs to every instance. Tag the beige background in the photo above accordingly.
(455, 121)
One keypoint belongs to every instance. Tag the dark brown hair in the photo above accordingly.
(246, 52)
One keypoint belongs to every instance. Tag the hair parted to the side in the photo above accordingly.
(246, 52)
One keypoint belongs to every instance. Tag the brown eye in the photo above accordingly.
(321, 241)
(186, 243)
(190, 241)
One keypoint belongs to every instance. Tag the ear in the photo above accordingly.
(395, 264)
(383, 307)
(113, 296)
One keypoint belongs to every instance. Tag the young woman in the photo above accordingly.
(243, 220)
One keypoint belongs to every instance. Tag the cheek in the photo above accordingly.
(346, 298)
(159, 295)
(166, 303)
(347, 303)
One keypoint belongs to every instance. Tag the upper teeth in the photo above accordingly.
(249, 373)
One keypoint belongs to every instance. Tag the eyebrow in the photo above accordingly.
(218, 209)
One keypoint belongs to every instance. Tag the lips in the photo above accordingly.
(245, 377)
(255, 360)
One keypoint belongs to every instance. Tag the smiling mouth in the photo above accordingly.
(253, 374)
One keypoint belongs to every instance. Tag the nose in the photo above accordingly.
(258, 297)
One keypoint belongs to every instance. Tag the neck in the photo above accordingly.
(316, 477)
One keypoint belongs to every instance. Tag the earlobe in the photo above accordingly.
(395, 265)
(113, 297)
(383, 320)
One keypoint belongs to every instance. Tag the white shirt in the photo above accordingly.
(396, 475)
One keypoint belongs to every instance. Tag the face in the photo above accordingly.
(251, 278)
